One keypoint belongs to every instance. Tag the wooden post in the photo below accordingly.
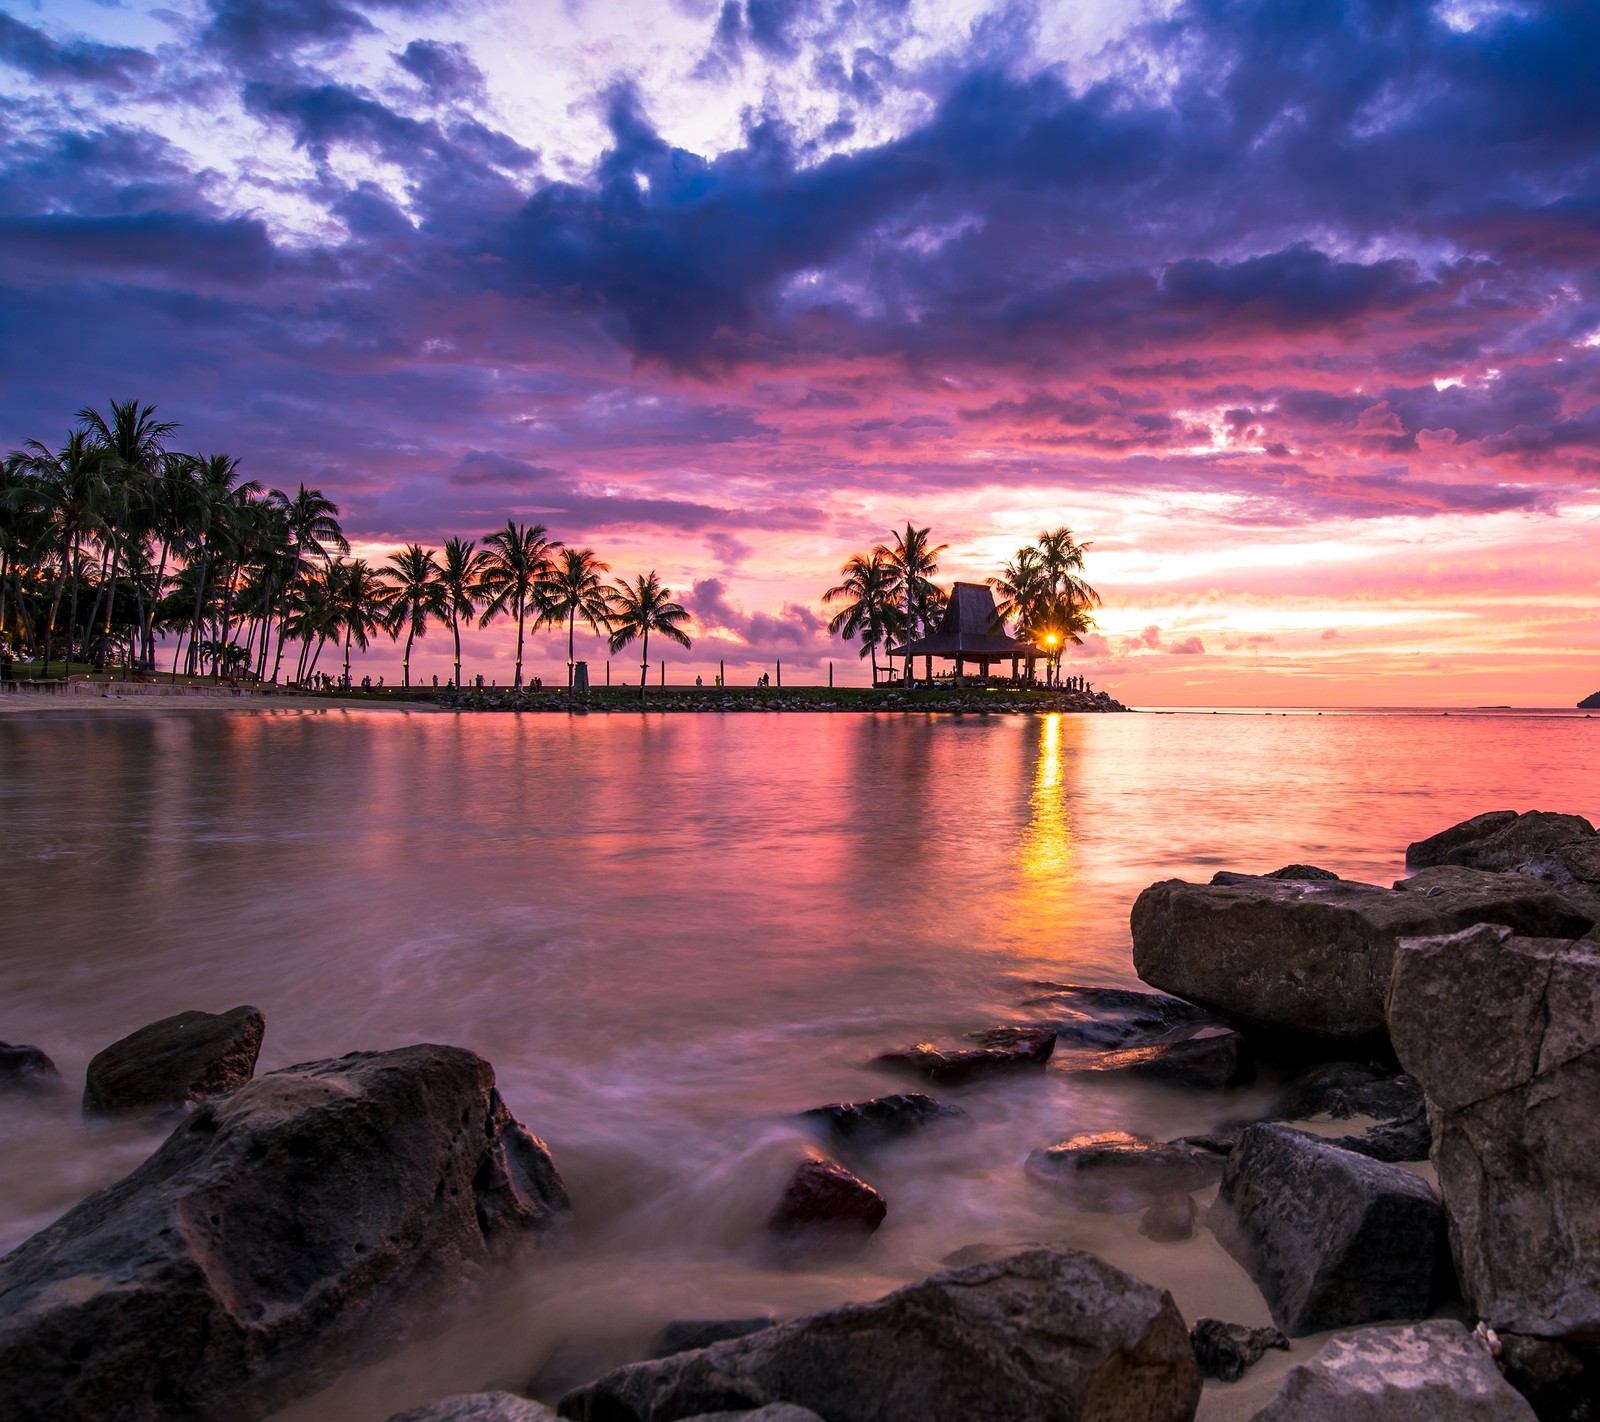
(722, 672)
(663, 675)
(780, 676)
(830, 676)
(608, 672)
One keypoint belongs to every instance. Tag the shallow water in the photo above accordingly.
(670, 933)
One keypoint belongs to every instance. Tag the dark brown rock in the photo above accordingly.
(1114, 1173)
(999, 1050)
(1311, 960)
(1036, 1337)
(26, 1069)
(310, 1221)
(684, 1335)
(174, 1063)
(1342, 1090)
(1503, 1034)
(1331, 1238)
(1560, 1381)
(1224, 1350)
(1170, 1220)
(863, 1124)
(824, 1196)
(1086, 1016)
(1213, 1059)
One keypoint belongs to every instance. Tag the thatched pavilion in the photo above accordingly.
(970, 631)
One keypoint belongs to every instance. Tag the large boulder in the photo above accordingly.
(1417, 1372)
(1501, 840)
(309, 1221)
(1037, 1337)
(24, 1068)
(1312, 958)
(174, 1062)
(1503, 1034)
(684, 1335)
(478, 1407)
(1331, 1238)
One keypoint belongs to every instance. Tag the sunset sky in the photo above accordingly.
(1292, 310)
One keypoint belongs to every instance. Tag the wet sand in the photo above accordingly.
(120, 702)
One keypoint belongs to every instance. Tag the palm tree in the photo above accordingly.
(516, 569)
(915, 563)
(872, 586)
(418, 595)
(575, 589)
(75, 490)
(459, 577)
(360, 598)
(1062, 559)
(643, 607)
(314, 530)
(218, 518)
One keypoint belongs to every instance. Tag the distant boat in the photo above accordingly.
(1590, 703)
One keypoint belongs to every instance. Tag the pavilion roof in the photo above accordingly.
(970, 627)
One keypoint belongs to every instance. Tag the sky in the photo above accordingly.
(1291, 311)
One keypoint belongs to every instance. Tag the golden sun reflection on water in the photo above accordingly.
(1045, 850)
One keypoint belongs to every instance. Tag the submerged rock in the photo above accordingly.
(1170, 1220)
(1224, 1350)
(478, 1407)
(1312, 959)
(823, 1197)
(1503, 1034)
(1500, 840)
(1113, 1017)
(306, 1223)
(174, 1063)
(1419, 1372)
(1331, 1238)
(1289, 871)
(1039, 1336)
(882, 1118)
(999, 1050)
(684, 1335)
(1213, 1059)
(25, 1068)
(1113, 1172)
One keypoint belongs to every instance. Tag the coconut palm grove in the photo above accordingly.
(120, 551)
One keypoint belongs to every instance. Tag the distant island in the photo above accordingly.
(1590, 703)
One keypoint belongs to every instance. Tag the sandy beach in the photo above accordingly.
(114, 699)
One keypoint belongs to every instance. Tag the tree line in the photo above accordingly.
(116, 538)
(888, 595)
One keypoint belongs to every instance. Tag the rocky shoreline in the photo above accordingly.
(826, 700)
(302, 1222)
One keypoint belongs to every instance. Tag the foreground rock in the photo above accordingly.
(1502, 840)
(306, 1223)
(684, 1335)
(825, 1199)
(1213, 1059)
(25, 1068)
(479, 1407)
(1312, 958)
(1036, 1337)
(1113, 1172)
(1331, 1238)
(1503, 1034)
(1421, 1372)
(1085, 1016)
(863, 1124)
(174, 1063)
(1000, 1050)
(1560, 1381)
(1342, 1090)
(1224, 1350)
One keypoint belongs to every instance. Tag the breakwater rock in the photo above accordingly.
(822, 700)
(309, 1221)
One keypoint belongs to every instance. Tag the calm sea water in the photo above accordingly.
(671, 933)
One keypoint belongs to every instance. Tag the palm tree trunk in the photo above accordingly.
(72, 615)
(347, 659)
(572, 628)
(455, 632)
(644, 664)
(155, 597)
(522, 610)
(406, 666)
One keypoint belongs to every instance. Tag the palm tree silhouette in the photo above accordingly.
(915, 563)
(361, 600)
(640, 608)
(871, 584)
(575, 590)
(459, 576)
(74, 489)
(514, 575)
(314, 531)
(418, 595)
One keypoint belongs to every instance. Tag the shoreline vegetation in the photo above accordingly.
(116, 542)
